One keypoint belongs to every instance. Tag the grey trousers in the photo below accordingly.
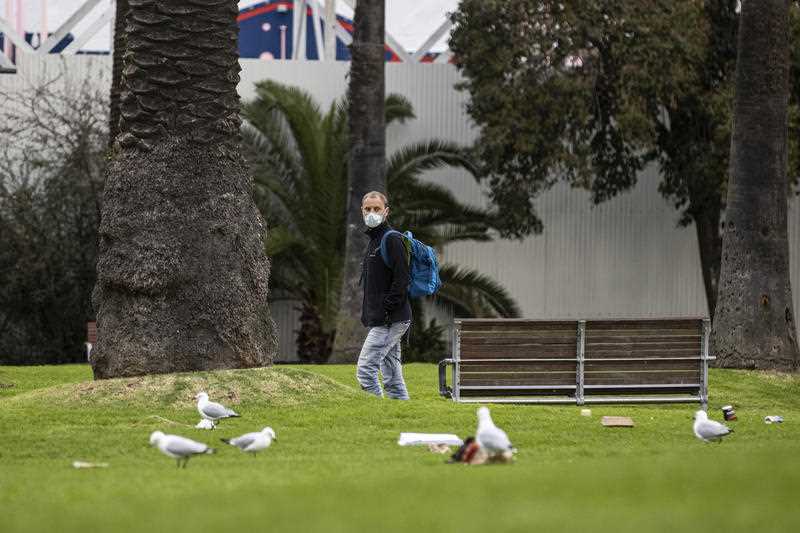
(381, 352)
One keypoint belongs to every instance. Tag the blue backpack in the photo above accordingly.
(423, 265)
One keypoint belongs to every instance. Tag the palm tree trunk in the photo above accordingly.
(367, 164)
(709, 240)
(120, 40)
(181, 274)
(754, 325)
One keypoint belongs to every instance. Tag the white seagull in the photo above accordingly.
(179, 448)
(708, 430)
(212, 410)
(490, 437)
(253, 442)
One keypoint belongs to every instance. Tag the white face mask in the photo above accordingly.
(373, 220)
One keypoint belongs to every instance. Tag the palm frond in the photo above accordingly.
(303, 116)
(406, 164)
(398, 108)
(474, 295)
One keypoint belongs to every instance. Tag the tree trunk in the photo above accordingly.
(120, 39)
(709, 240)
(181, 275)
(367, 172)
(754, 325)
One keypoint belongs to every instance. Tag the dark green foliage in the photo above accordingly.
(590, 92)
(50, 183)
(426, 343)
(299, 161)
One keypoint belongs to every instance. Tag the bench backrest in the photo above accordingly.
(526, 356)
(517, 357)
(643, 355)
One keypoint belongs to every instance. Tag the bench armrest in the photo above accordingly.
(444, 390)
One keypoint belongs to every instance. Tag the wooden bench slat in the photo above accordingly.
(644, 339)
(654, 364)
(483, 326)
(641, 378)
(662, 332)
(510, 352)
(645, 323)
(567, 378)
(513, 337)
(622, 352)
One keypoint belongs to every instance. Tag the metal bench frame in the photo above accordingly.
(576, 393)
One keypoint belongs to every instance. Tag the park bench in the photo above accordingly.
(91, 338)
(578, 361)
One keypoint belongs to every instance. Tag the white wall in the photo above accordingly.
(626, 257)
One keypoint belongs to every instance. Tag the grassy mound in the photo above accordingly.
(276, 386)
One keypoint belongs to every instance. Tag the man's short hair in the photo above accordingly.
(375, 194)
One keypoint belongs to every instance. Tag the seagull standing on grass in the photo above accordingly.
(253, 442)
(490, 437)
(179, 448)
(708, 430)
(212, 410)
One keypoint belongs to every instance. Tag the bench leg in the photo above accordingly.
(444, 390)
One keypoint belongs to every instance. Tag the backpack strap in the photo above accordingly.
(383, 245)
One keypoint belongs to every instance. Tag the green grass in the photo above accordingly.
(336, 465)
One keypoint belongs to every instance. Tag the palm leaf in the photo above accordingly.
(398, 108)
(473, 294)
(406, 164)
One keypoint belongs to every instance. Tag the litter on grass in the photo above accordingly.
(83, 464)
(728, 413)
(422, 439)
(617, 421)
(773, 419)
(471, 453)
(439, 448)
(586, 412)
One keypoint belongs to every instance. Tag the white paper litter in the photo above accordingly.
(422, 439)
(83, 464)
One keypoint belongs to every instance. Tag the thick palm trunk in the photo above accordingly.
(182, 276)
(754, 326)
(116, 69)
(709, 242)
(367, 164)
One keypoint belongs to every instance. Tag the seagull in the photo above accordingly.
(491, 438)
(179, 448)
(708, 430)
(211, 410)
(253, 442)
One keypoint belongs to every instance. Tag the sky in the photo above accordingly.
(411, 22)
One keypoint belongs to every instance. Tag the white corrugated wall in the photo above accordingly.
(626, 257)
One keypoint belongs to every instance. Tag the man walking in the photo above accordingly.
(386, 310)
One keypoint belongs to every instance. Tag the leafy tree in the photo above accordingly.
(181, 272)
(755, 324)
(51, 177)
(366, 172)
(590, 92)
(299, 158)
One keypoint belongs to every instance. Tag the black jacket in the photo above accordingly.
(385, 288)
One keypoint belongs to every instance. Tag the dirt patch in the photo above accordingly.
(272, 386)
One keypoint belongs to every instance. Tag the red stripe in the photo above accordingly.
(272, 7)
(263, 9)
(394, 58)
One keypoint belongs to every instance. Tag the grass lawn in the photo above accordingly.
(336, 465)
